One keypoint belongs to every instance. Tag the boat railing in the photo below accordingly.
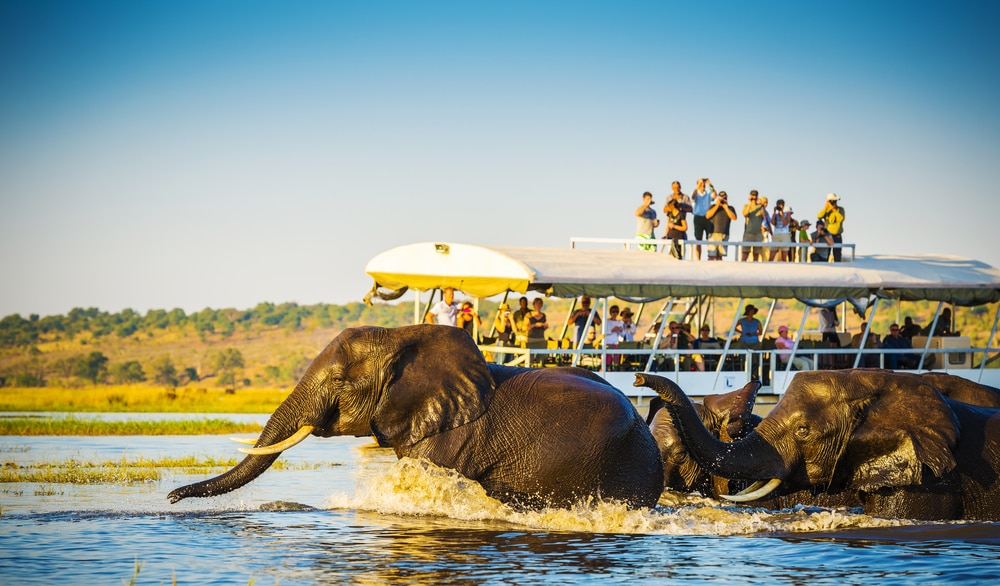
(776, 372)
(800, 250)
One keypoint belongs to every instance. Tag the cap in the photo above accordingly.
(831, 197)
(753, 192)
(782, 328)
(804, 223)
(504, 306)
(650, 196)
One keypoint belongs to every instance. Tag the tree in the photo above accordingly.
(128, 372)
(164, 372)
(92, 367)
(227, 364)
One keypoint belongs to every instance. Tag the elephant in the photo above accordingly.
(887, 442)
(531, 437)
(727, 416)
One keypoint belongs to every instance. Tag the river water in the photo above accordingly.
(370, 519)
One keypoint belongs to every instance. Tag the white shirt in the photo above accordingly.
(445, 314)
(611, 336)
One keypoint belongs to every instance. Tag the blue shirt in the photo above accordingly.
(702, 203)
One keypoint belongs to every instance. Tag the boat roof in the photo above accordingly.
(633, 275)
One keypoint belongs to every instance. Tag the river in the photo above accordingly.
(351, 513)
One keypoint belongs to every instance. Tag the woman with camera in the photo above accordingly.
(506, 330)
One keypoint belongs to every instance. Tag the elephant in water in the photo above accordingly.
(890, 443)
(727, 416)
(530, 437)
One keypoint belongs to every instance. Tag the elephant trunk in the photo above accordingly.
(751, 458)
(282, 424)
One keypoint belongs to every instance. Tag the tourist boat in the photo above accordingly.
(666, 288)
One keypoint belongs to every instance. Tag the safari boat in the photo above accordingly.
(663, 288)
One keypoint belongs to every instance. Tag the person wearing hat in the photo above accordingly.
(646, 222)
(786, 343)
(833, 216)
(628, 326)
(753, 224)
(821, 241)
(750, 330)
(705, 341)
(803, 236)
(506, 331)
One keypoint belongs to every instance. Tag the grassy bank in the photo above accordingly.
(90, 427)
(140, 399)
(125, 471)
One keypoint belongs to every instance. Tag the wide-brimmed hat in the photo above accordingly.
(504, 306)
(750, 308)
(626, 311)
(832, 197)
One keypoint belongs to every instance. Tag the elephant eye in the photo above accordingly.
(802, 431)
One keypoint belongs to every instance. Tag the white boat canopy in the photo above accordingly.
(484, 271)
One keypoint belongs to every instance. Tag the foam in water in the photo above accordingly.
(419, 488)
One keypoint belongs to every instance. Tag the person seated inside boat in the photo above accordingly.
(943, 327)
(705, 341)
(897, 341)
(676, 338)
(784, 342)
(867, 360)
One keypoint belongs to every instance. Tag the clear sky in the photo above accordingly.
(223, 153)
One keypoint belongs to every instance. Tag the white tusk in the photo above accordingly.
(745, 496)
(751, 488)
(281, 446)
(243, 440)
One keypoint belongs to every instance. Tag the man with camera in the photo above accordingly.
(821, 241)
(702, 198)
(721, 214)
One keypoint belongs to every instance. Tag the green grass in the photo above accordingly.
(126, 471)
(140, 399)
(92, 427)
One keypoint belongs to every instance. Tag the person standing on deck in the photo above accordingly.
(580, 316)
(833, 216)
(646, 221)
(753, 224)
(444, 312)
(702, 199)
(721, 215)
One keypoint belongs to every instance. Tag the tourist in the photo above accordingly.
(721, 214)
(909, 328)
(765, 229)
(753, 224)
(781, 230)
(445, 311)
(821, 241)
(535, 323)
(897, 341)
(613, 330)
(786, 343)
(828, 322)
(506, 330)
(469, 320)
(580, 317)
(646, 221)
(833, 216)
(702, 199)
(628, 326)
(802, 252)
(705, 341)
(520, 316)
(867, 360)
(676, 224)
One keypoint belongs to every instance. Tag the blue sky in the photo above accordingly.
(218, 154)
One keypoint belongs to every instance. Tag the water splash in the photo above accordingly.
(411, 487)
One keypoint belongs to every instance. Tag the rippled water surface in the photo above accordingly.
(369, 518)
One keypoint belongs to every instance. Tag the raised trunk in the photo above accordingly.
(752, 458)
(280, 426)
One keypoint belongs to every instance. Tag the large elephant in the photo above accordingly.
(727, 416)
(531, 437)
(888, 442)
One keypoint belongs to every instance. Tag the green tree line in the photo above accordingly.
(29, 355)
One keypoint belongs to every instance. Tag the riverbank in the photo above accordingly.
(140, 399)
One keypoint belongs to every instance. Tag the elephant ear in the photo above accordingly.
(906, 427)
(736, 407)
(437, 380)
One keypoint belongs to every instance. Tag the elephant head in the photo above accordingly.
(395, 384)
(861, 430)
(728, 417)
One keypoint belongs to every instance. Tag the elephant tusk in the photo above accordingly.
(243, 440)
(281, 446)
(746, 495)
(751, 488)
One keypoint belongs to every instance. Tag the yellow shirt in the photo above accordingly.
(834, 220)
